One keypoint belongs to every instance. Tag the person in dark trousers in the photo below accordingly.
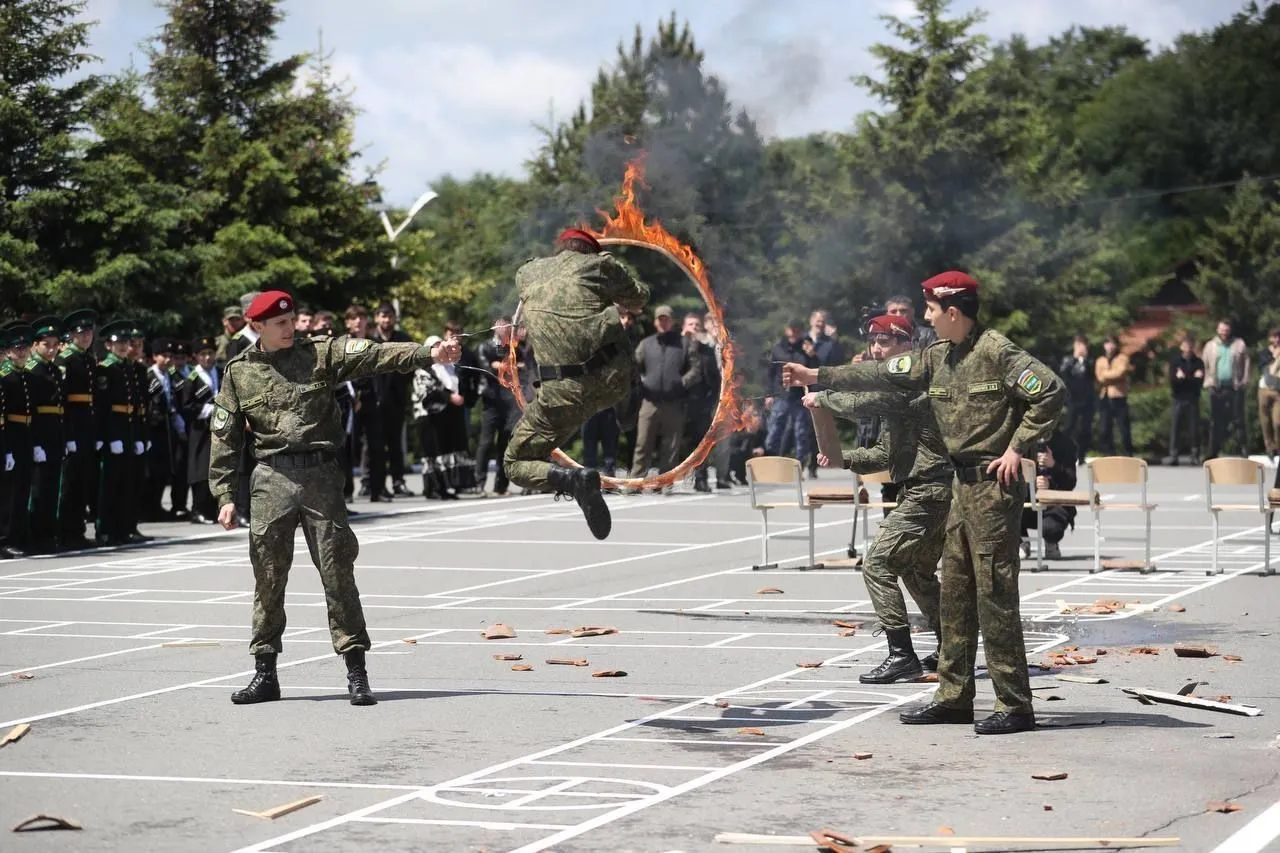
(1077, 374)
(1055, 469)
(669, 368)
(80, 471)
(498, 409)
(393, 399)
(1186, 381)
(787, 415)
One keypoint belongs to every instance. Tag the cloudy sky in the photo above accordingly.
(457, 86)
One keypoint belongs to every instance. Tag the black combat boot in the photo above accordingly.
(264, 687)
(358, 679)
(931, 662)
(936, 714)
(583, 484)
(1006, 723)
(901, 664)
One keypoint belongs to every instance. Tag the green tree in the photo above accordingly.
(43, 44)
(1238, 269)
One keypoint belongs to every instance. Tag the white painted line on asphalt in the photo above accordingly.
(474, 824)
(1255, 835)
(204, 780)
(173, 689)
(81, 660)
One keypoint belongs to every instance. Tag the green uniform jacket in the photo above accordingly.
(569, 305)
(910, 446)
(285, 398)
(988, 394)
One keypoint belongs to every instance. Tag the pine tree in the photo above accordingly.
(43, 43)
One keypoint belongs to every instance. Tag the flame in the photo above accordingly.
(629, 228)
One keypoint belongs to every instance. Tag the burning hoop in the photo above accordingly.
(628, 228)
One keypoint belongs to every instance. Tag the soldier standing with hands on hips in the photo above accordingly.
(993, 403)
(281, 389)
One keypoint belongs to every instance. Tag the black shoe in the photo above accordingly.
(930, 663)
(1006, 723)
(936, 714)
(264, 687)
(701, 486)
(583, 484)
(901, 664)
(358, 679)
(400, 490)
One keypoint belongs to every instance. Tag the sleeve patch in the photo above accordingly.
(221, 417)
(899, 365)
(1029, 382)
(355, 346)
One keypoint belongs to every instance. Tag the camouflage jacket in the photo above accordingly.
(910, 446)
(569, 305)
(988, 394)
(285, 398)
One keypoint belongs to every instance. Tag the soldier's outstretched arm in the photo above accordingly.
(1027, 379)
(868, 460)
(226, 441)
(902, 373)
(620, 286)
(851, 405)
(355, 358)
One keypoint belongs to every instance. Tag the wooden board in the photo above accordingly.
(281, 811)
(949, 842)
(1194, 702)
(824, 426)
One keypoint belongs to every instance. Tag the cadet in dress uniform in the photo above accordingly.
(114, 404)
(50, 441)
(199, 391)
(17, 417)
(80, 471)
(7, 549)
(141, 433)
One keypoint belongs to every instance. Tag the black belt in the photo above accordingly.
(308, 459)
(974, 473)
(572, 371)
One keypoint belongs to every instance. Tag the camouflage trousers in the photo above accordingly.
(555, 415)
(980, 591)
(281, 500)
(907, 546)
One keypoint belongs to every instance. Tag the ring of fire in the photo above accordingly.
(628, 228)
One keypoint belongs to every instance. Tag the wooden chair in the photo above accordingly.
(1040, 500)
(1231, 471)
(1119, 471)
(784, 472)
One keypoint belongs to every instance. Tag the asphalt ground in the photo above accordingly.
(714, 728)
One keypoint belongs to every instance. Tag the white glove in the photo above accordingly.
(206, 411)
(148, 446)
(117, 448)
(138, 449)
(71, 447)
(98, 446)
(37, 453)
(9, 462)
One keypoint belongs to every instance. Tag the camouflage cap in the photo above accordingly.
(232, 311)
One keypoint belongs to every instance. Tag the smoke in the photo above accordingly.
(785, 74)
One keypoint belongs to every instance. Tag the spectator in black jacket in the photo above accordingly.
(393, 399)
(669, 366)
(498, 409)
(1076, 371)
(1186, 381)
(788, 418)
(1055, 469)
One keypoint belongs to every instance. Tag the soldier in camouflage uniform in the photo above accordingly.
(909, 541)
(570, 304)
(993, 402)
(281, 388)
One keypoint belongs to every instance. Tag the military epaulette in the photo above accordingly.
(110, 360)
(33, 360)
(6, 367)
(68, 351)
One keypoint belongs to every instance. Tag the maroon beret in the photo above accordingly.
(891, 324)
(950, 283)
(273, 303)
(578, 234)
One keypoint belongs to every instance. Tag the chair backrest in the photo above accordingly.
(1117, 471)
(1232, 471)
(879, 478)
(775, 471)
(1029, 471)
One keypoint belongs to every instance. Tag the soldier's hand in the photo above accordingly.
(1008, 468)
(795, 375)
(823, 461)
(447, 351)
(227, 516)
(810, 401)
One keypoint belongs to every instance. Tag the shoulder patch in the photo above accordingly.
(899, 365)
(1028, 381)
(220, 418)
(356, 345)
